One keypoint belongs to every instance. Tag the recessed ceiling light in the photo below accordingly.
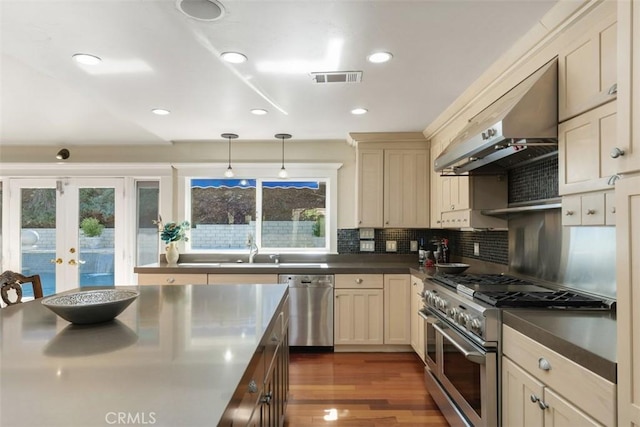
(86, 59)
(379, 57)
(359, 111)
(160, 111)
(233, 57)
(259, 111)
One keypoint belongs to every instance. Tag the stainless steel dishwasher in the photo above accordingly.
(311, 309)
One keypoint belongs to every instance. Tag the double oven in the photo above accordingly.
(462, 315)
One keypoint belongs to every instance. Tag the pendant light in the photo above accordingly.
(229, 172)
(283, 172)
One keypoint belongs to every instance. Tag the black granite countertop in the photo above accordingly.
(587, 337)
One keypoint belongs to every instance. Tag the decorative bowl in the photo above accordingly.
(93, 306)
(452, 268)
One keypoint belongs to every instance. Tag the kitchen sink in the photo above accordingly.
(254, 265)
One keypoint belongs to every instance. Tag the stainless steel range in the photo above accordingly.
(463, 325)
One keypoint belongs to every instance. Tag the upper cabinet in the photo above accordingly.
(587, 75)
(585, 144)
(392, 182)
(457, 201)
(627, 149)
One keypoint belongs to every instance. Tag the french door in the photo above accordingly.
(70, 231)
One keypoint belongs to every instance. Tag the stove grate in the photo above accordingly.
(538, 299)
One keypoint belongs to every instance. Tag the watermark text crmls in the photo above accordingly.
(130, 418)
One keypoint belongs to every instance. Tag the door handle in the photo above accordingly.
(470, 354)
(56, 261)
(72, 262)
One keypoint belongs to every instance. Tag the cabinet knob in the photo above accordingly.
(616, 152)
(613, 210)
(534, 398)
(589, 212)
(542, 405)
(613, 90)
(387, 223)
(170, 279)
(453, 207)
(267, 398)
(568, 213)
(253, 386)
(358, 281)
(544, 364)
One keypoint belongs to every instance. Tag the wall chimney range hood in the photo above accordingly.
(520, 126)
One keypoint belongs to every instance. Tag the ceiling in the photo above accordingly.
(155, 56)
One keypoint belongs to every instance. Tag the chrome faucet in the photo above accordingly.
(253, 248)
(275, 258)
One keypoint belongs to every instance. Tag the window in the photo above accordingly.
(147, 202)
(223, 214)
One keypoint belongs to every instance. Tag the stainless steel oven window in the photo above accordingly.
(469, 375)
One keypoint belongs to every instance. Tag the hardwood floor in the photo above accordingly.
(360, 389)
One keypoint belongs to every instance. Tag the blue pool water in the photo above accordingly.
(88, 279)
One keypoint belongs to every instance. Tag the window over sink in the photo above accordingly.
(295, 215)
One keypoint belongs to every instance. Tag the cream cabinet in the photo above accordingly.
(435, 185)
(543, 388)
(585, 144)
(627, 274)
(358, 309)
(172, 279)
(529, 403)
(370, 184)
(628, 145)
(417, 322)
(458, 200)
(397, 309)
(589, 209)
(237, 279)
(392, 187)
(406, 188)
(587, 66)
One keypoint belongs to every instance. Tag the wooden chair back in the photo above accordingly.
(11, 280)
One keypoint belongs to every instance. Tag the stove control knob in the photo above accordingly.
(476, 326)
(443, 304)
(453, 313)
(464, 319)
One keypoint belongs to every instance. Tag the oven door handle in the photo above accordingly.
(470, 353)
(430, 319)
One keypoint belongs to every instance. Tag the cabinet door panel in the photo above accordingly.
(518, 387)
(397, 309)
(358, 316)
(561, 413)
(370, 191)
(406, 188)
(587, 67)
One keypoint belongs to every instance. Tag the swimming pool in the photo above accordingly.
(87, 279)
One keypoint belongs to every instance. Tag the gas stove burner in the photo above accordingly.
(538, 299)
(453, 280)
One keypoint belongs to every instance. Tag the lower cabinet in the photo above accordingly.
(417, 322)
(262, 395)
(239, 279)
(543, 388)
(172, 279)
(372, 309)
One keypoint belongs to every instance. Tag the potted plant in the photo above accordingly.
(92, 230)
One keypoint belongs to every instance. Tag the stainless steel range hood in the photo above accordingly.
(519, 126)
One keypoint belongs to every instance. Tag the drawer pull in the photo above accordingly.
(568, 213)
(616, 152)
(358, 281)
(613, 90)
(171, 279)
(534, 398)
(253, 386)
(590, 212)
(542, 405)
(544, 364)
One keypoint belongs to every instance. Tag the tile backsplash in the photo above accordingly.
(535, 181)
(493, 244)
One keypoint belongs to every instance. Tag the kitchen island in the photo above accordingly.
(174, 357)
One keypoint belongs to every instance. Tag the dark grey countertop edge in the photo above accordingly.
(583, 357)
(364, 268)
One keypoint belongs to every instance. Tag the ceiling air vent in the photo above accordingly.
(338, 77)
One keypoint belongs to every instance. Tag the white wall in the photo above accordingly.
(210, 151)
